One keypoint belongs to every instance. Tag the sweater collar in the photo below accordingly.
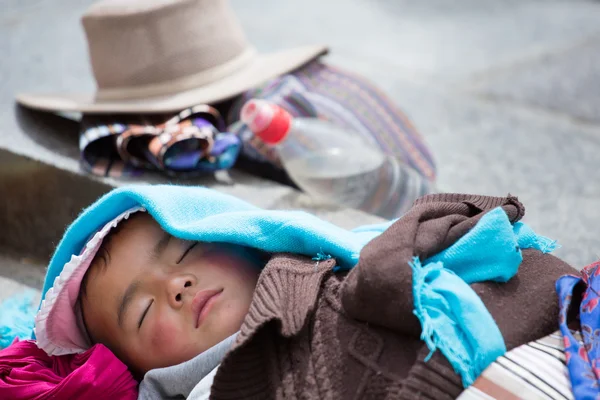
(286, 292)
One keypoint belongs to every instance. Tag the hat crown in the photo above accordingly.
(157, 47)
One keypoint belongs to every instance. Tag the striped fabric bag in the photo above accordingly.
(533, 371)
(349, 101)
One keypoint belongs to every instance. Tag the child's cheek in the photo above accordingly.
(164, 335)
(171, 342)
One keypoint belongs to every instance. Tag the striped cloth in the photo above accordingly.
(533, 371)
(351, 102)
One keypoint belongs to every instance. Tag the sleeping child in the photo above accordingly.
(201, 294)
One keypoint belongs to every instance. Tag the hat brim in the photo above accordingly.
(260, 70)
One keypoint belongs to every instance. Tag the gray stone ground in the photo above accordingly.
(506, 93)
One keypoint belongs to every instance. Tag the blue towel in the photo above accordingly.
(453, 317)
(196, 213)
(16, 317)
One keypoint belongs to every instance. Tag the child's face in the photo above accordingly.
(161, 300)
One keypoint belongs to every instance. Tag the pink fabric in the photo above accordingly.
(61, 325)
(27, 372)
(58, 324)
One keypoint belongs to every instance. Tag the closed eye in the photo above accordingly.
(144, 314)
(185, 253)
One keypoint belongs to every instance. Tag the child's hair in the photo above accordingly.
(102, 257)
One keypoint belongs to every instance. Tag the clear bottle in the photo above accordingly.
(333, 164)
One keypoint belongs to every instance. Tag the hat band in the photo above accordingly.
(181, 84)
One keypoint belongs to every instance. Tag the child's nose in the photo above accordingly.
(176, 287)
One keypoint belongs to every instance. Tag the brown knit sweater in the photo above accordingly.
(314, 334)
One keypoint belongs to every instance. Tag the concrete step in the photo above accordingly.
(19, 274)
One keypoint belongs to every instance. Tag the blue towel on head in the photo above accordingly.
(197, 213)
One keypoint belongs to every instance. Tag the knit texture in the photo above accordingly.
(434, 224)
(312, 333)
(453, 318)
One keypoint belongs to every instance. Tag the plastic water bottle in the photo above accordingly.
(333, 164)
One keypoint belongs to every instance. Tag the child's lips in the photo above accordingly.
(202, 303)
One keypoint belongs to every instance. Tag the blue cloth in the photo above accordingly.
(197, 213)
(453, 317)
(16, 317)
(583, 359)
(491, 251)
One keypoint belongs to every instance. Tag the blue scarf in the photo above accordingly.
(453, 318)
(583, 359)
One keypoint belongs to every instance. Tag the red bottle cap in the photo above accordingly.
(268, 121)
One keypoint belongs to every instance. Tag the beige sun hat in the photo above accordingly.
(153, 56)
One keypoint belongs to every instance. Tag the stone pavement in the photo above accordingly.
(506, 93)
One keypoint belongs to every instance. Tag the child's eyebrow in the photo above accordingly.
(160, 246)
